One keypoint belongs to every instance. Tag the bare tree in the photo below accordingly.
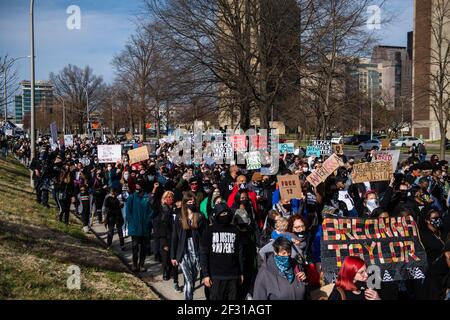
(9, 83)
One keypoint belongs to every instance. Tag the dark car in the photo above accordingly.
(359, 138)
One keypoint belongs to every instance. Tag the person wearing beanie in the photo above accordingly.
(221, 256)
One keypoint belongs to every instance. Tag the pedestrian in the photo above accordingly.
(139, 215)
(113, 217)
(85, 207)
(431, 235)
(185, 246)
(221, 256)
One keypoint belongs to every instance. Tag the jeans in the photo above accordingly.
(111, 227)
(85, 213)
(139, 249)
(125, 224)
(224, 289)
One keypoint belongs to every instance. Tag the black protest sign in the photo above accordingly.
(392, 244)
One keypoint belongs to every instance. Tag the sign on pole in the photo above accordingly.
(372, 171)
(54, 132)
(109, 153)
(138, 155)
(392, 244)
(283, 147)
(390, 155)
(322, 173)
(290, 187)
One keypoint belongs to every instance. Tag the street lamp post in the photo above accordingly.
(32, 57)
(371, 106)
(63, 112)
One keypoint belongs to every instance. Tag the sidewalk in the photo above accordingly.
(153, 277)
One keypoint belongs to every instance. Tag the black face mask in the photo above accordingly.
(192, 207)
(300, 235)
(224, 220)
(361, 285)
(287, 207)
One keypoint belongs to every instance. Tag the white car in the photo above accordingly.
(406, 142)
(337, 140)
(369, 145)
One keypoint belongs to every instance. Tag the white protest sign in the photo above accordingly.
(68, 140)
(9, 132)
(390, 155)
(325, 146)
(109, 153)
(253, 160)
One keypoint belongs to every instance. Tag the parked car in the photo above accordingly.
(406, 142)
(369, 145)
(359, 138)
(336, 140)
(347, 139)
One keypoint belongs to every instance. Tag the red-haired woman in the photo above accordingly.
(352, 282)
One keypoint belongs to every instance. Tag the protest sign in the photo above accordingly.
(68, 140)
(239, 143)
(9, 132)
(253, 160)
(54, 132)
(138, 155)
(338, 149)
(392, 244)
(385, 143)
(129, 136)
(283, 147)
(372, 171)
(109, 153)
(325, 146)
(258, 142)
(322, 173)
(290, 187)
(313, 151)
(222, 149)
(390, 155)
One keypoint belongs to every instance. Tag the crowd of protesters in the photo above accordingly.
(230, 226)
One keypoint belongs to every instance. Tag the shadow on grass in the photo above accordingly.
(71, 249)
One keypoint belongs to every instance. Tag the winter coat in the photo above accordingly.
(139, 215)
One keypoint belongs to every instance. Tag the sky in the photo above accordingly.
(105, 27)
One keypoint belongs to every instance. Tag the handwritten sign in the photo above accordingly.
(283, 147)
(313, 151)
(239, 143)
(390, 155)
(372, 171)
(390, 243)
(138, 155)
(109, 153)
(338, 149)
(325, 146)
(68, 140)
(290, 187)
(322, 173)
(385, 143)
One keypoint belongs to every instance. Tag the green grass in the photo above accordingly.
(36, 250)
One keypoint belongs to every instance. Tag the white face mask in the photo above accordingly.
(126, 176)
(372, 204)
(305, 169)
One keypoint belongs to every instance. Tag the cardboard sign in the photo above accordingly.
(322, 173)
(392, 244)
(325, 146)
(290, 187)
(239, 143)
(129, 136)
(283, 147)
(109, 153)
(313, 151)
(68, 140)
(138, 155)
(253, 160)
(391, 155)
(372, 171)
(338, 149)
(385, 143)
(54, 132)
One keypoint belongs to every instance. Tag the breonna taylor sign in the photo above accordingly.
(392, 244)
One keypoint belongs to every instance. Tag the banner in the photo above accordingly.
(109, 153)
(313, 151)
(325, 146)
(338, 149)
(391, 155)
(283, 147)
(239, 143)
(322, 173)
(68, 140)
(138, 155)
(54, 132)
(253, 160)
(392, 244)
(290, 187)
(372, 171)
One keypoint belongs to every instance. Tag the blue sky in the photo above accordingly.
(105, 28)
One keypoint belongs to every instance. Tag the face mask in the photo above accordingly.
(437, 223)
(192, 207)
(287, 207)
(284, 266)
(305, 169)
(126, 176)
(109, 168)
(151, 178)
(361, 285)
(225, 220)
(207, 189)
(372, 204)
(242, 186)
(300, 235)
(216, 194)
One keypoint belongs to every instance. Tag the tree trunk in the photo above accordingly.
(443, 132)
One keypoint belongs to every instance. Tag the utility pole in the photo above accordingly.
(32, 57)
(371, 105)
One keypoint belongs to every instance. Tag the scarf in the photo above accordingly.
(284, 267)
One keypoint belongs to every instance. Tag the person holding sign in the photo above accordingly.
(352, 282)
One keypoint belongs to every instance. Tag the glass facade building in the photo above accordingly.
(43, 97)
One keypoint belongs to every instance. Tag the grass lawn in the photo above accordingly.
(36, 250)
